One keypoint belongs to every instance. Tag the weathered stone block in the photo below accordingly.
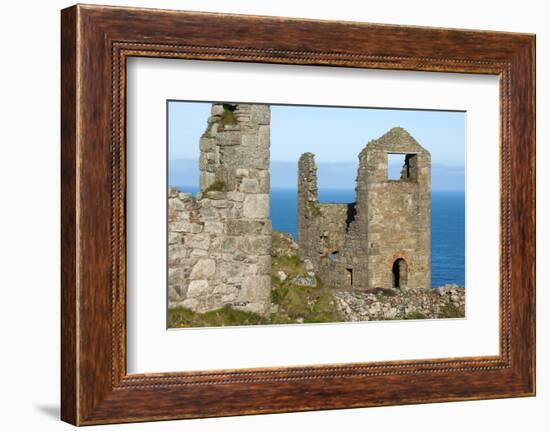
(213, 227)
(175, 275)
(231, 270)
(176, 204)
(256, 287)
(173, 294)
(260, 244)
(174, 237)
(229, 244)
(226, 289)
(248, 227)
(178, 252)
(203, 269)
(263, 178)
(215, 195)
(222, 204)
(249, 185)
(198, 253)
(199, 241)
(306, 281)
(264, 265)
(197, 289)
(235, 196)
(260, 114)
(185, 227)
(256, 206)
(209, 214)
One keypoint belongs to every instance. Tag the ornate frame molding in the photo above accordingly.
(96, 41)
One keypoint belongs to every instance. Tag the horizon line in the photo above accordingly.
(323, 162)
(319, 188)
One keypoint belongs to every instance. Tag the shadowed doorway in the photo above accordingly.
(399, 273)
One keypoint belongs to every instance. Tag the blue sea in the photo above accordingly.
(447, 226)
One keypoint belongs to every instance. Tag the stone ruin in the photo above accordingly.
(219, 243)
(383, 239)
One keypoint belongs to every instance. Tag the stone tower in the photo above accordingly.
(382, 239)
(219, 244)
(398, 211)
(308, 210)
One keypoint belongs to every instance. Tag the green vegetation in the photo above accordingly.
(449, 311)
(281, 243)
(182, 317)
(289, 264)
(218, 186)
(415, 315)
(305, 304)
(228, 117)
(314, 208)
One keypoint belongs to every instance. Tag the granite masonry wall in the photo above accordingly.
(219, 243)
(383, 239)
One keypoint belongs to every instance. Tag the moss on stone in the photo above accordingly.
(289, 264)
(314, 208)
(228, 117)
(415, 315)
(449, 311)
(303, 304)
(218, 186)
(181, 317)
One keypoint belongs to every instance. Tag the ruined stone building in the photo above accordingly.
(382, 239)
(219, 243)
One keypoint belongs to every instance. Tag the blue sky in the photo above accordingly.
(335, 135)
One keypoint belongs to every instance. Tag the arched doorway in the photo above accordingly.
(399, 273)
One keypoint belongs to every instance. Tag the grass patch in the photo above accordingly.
(278, 293)
(299, 303)
(304, 304)
(415, 315)
(218, 186)
(449, 311)
(288, 264)
(181, 317)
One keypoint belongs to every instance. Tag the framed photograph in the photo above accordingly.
(266, 215)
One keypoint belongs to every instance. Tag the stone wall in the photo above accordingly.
(328, 233)
(382, 304)
(308, 210)
(386, 231)
(219, 243)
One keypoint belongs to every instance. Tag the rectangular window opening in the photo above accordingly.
(401, 167)
(349, 277)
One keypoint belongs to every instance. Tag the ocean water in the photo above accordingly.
(447, 226)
